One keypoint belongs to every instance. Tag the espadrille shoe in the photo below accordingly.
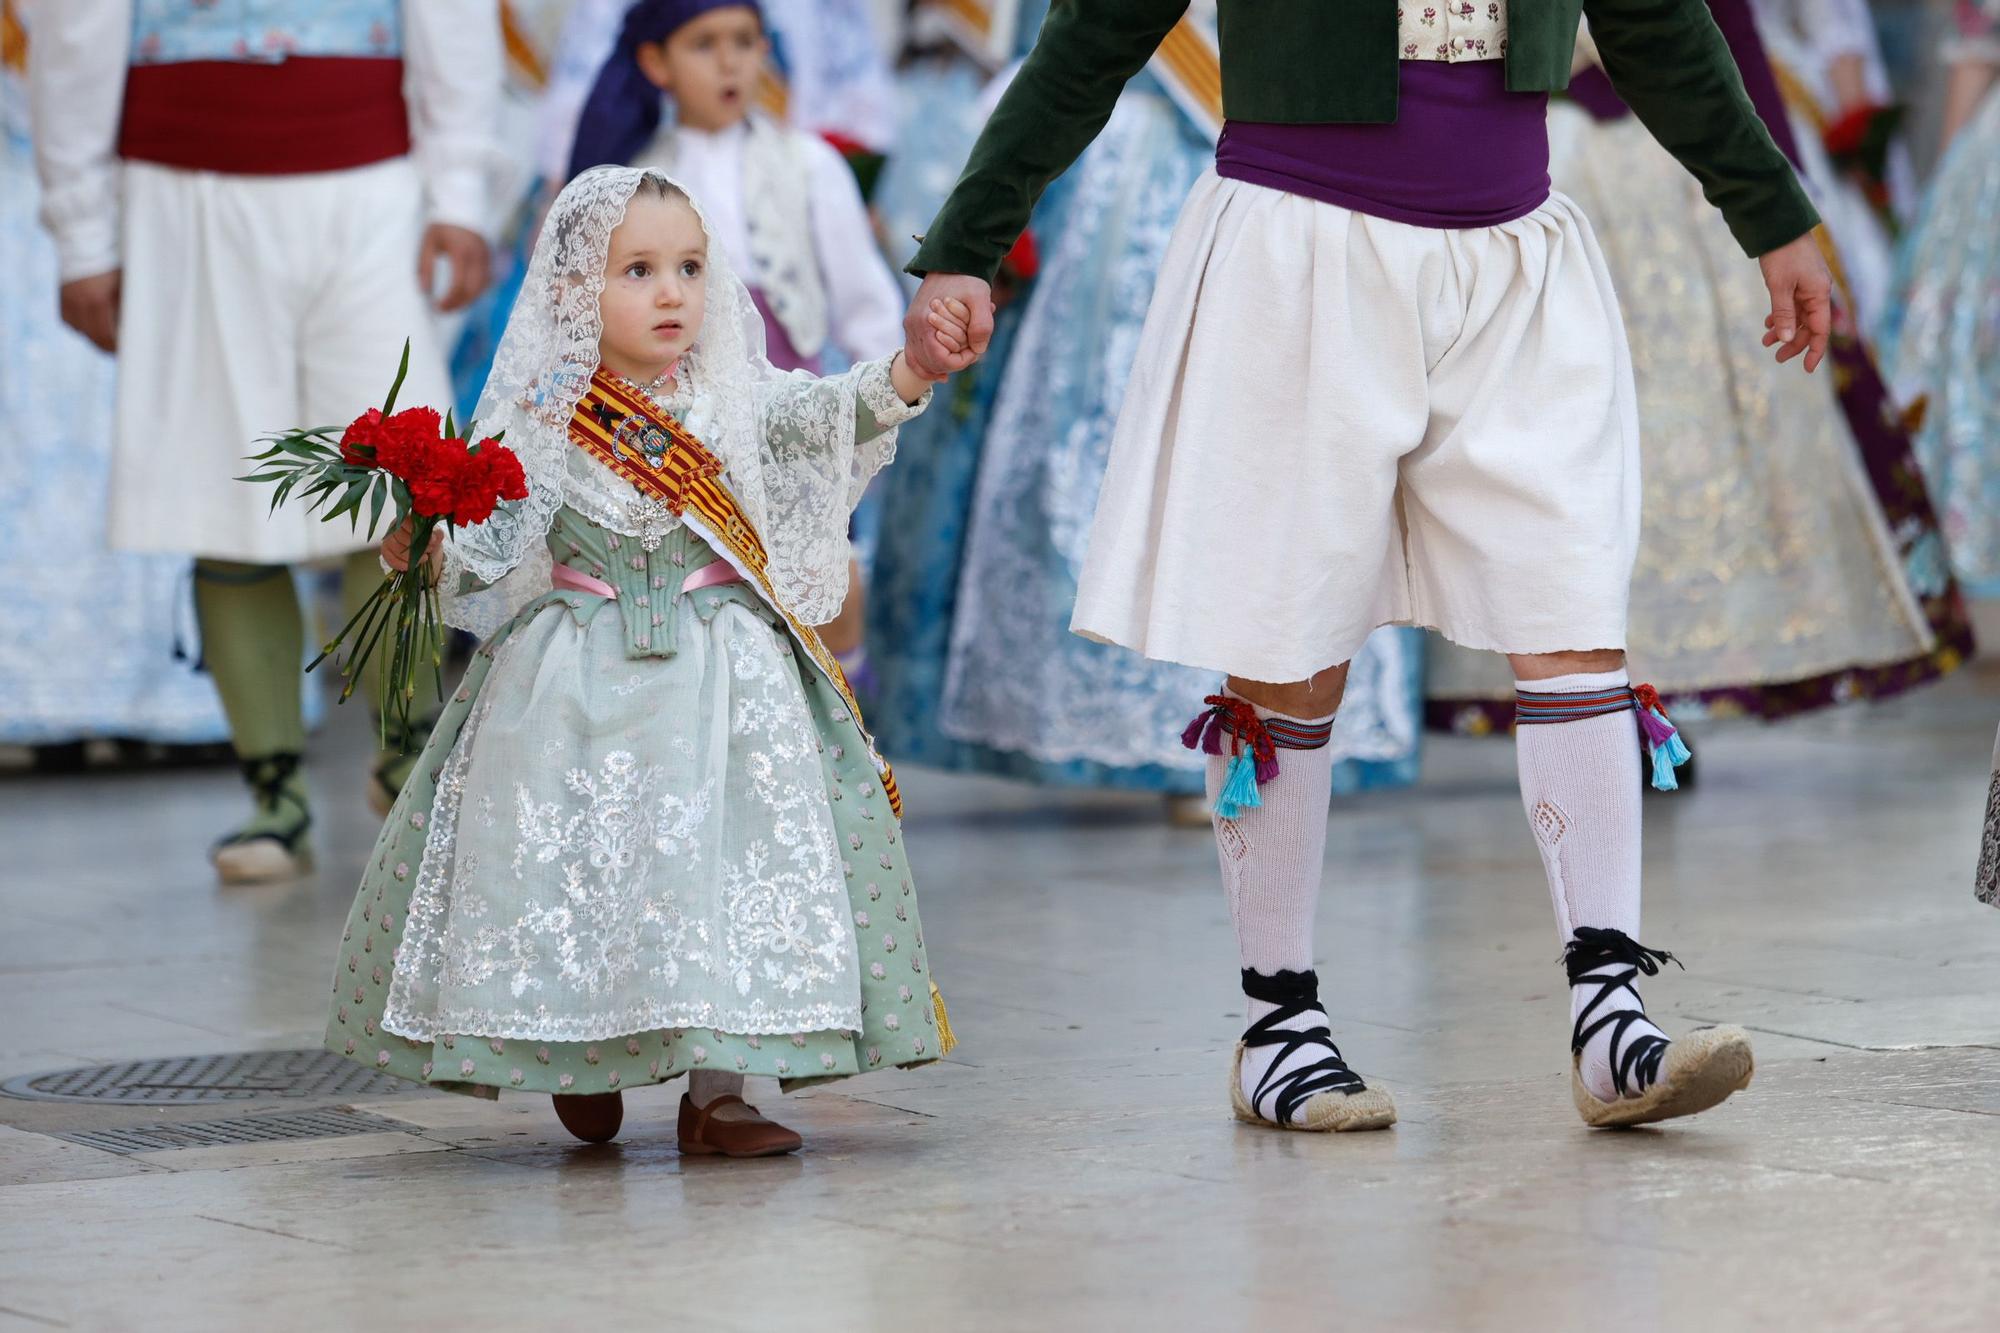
(1654, 1078)
(1351, 1105)
(1319, 1094)
(272, 847)
(1700, 1070)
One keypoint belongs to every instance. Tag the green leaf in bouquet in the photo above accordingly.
(369, 609)
(389, 404)
(350, 503)
(378, 495)
(450, 431)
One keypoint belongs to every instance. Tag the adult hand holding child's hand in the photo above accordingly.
(933, 351)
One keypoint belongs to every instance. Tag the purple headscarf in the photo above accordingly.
(622, 113)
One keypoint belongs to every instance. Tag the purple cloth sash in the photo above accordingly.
(1462, 152)
(777, 343)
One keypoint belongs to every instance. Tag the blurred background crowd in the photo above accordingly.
(1808, 542)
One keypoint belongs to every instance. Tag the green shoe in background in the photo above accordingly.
(272, 845)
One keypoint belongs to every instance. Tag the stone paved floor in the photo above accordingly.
(1074, 1165)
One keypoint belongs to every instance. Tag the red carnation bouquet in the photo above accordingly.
(1859, 142)
(412, 465)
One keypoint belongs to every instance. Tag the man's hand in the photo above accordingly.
(924, 347)
(90, 306)
(1801, 315)
(471, 263)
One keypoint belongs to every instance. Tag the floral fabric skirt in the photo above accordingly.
(611, 869)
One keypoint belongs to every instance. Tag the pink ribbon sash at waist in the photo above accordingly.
(713, 575)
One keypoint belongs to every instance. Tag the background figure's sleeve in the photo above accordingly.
(1977, 40)
(1671, 64)
(864, 304)
(1087, 51)
(1841, 28)
(589, 33)
(77, 58)
(453, 49)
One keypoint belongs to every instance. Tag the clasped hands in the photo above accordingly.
(951, 317)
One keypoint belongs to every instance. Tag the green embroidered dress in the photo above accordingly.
(647, 836)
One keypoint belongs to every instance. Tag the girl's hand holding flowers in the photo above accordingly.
(434, 478)
(396, 549)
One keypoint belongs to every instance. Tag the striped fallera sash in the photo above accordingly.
(621, 428)
(983, 29)
(1189, 67)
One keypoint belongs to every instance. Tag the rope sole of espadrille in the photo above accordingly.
(261, 861)
(1328, 1113)
(1701, 1070)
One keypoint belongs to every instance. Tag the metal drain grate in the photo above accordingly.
(335, 1122)
(210, 1078)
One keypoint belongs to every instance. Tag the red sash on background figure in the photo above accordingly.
(251, 118)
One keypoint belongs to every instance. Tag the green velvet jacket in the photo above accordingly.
(1335, 61)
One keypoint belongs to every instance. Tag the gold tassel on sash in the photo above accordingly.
(947, 1039)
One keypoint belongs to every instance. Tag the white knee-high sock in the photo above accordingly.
(1272, 855)
(1581, 787)
(1271, 864)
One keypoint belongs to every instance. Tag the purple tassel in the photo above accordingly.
(1267, 769)
(1191, 734)
(1658, 730)
(1211, 739)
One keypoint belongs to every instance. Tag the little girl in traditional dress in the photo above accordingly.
(680, 95)
(649, 836)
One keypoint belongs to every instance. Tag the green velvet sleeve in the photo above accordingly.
(1059, 100)
(1671, 64)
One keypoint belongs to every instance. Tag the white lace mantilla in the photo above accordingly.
(793, 446)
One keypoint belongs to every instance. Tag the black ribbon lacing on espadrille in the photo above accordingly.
(1295, 994)
(269, 777)
(1635, 1064)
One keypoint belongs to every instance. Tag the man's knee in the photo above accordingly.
(1544, 666)
(1314, 697)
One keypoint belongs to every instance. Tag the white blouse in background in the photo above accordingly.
(812, 229)
(76, 82)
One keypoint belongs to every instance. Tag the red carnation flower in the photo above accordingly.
(363, 433)
(509, 481)
(1846, 136)
(408, 438)
(474, 493)
(489, 475)
(433, 480)
(1024, 260)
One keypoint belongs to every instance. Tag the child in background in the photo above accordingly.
(649, 836)
(782, 203)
